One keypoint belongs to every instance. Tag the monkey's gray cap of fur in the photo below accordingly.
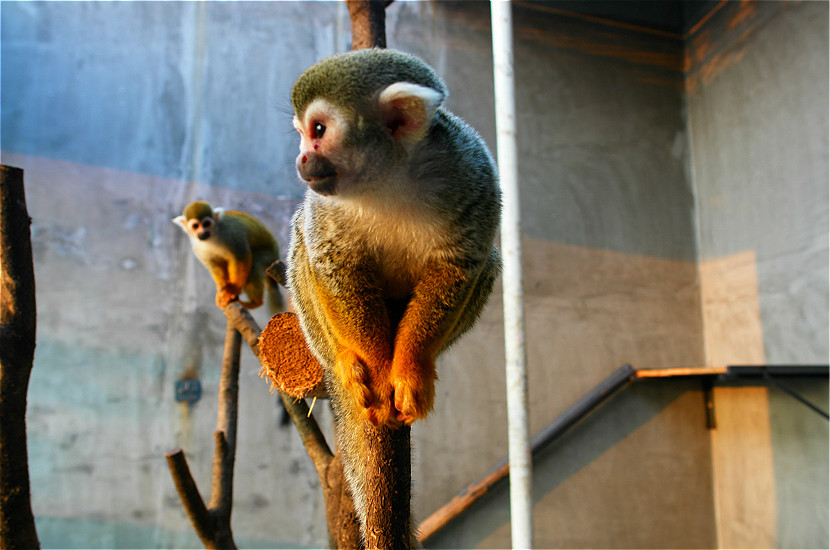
(352, 78)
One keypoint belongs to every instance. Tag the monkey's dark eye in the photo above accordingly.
(194, 225)
(206, 223)
(319, 130)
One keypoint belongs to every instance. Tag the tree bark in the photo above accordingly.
(17, 352)
(341, 518)
(213, 523)
(388, 487)
(368, 18)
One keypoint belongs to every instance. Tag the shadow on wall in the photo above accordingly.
(595, 460)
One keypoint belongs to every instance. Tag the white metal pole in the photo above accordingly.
(519, 454)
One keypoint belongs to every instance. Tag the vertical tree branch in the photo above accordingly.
(388, 487)
(17, 351)
(368, 19)
(225, 454)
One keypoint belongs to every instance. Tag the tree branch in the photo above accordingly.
(213, 523)
(17, 351)
(307, 426)
(192, 501)
(221, 496)
(368, 19)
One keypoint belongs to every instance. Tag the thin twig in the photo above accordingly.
(213, 523)
(192, 501)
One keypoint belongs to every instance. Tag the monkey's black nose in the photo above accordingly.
(204, 236)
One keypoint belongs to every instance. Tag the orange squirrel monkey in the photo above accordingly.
(237, 249)
(391, 256)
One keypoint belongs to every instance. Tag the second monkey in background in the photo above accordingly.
(236, 249)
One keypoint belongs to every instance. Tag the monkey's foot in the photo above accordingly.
(370, 390)
(414, 391)
(226, 295)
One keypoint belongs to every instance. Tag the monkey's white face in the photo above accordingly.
(196, 229)
(322, 160)
(350, 152)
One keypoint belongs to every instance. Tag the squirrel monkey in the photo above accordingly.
(391, 256)
(236, 248)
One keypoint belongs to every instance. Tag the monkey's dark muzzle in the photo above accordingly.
(318, 172)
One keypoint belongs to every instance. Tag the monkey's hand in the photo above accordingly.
(413, 382)
(226, 295)
(427, 324)
(368, 386)
(359, 321)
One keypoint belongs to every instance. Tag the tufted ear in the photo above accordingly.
(217, 212)
(180, 221)
(408, 109)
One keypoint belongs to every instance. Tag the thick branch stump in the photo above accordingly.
(17, 352)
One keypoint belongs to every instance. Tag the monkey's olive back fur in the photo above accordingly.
(352, 86)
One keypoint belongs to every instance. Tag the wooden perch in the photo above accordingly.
(287, 361)
(341, 519)
(17, 352)
(213, 523)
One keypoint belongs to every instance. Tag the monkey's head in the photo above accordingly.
(198, 219)
(359, 114)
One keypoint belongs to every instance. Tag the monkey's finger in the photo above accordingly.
(355, 378)
(405, 418)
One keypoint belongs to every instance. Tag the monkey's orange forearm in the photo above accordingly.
(360, 325)
(435, 307)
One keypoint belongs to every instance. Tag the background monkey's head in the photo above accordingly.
(197, 220)
(359, 115)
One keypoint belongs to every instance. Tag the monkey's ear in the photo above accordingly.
(217, 212)
(407, 110)
(180, 221)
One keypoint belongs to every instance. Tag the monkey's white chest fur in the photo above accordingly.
(210, 253)
(402, 241)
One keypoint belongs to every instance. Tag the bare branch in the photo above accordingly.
(221, 496)
(213, 523)
(244, 324)
(388, 481)
(368, 23)
(192, 501)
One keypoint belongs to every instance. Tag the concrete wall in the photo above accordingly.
(120, 113)
(757, 93)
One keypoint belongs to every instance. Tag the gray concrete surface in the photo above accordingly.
(634, 168)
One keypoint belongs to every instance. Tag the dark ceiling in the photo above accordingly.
(675, 16)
